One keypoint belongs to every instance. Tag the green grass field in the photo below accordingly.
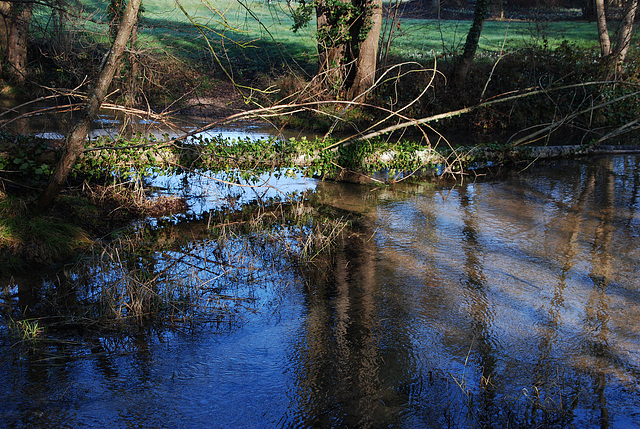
(256, 35)
(421, 37)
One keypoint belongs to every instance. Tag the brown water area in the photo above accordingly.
(510, 302)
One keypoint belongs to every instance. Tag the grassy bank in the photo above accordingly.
(80, 217)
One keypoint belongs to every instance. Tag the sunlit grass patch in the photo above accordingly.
(25, 330)
(419, 37)
(258, 34)
(37, 238)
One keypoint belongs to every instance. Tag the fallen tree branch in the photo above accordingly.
(454, 113)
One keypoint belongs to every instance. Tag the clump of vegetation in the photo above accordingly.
(26, 331)
(40, 238)
(73, 224)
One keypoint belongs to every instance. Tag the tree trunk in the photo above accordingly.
(74, 142)
(5, 8)
(603, 32)
(589, 10)
(348, 35)
(131, 84)
(331, 48)
(624, 34)
(613, 58)
(59, 16)
(132, 73)
(19, 21)
(461, 68)
(368, 51)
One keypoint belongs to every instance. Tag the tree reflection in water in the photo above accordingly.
(512, 302)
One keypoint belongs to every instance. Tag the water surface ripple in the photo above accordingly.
(510, 302)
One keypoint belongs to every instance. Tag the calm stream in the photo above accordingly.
(505, 301)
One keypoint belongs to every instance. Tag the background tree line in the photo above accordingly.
(348, 31)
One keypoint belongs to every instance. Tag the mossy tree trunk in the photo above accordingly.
(348, 36)
(75, 140)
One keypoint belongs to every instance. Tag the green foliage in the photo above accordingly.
(25, 160)
(302, 14)
(341, 17)
(26, 330)
(622, 112)
(246, 159)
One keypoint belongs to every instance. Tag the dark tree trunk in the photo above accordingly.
(74, 142)
(5, 8)
(463, 63)
(59, 16)
(589, 10)
(19, 22)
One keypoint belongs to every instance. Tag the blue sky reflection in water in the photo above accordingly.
(509, 301)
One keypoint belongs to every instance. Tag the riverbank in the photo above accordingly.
(92, 209)
(81, 216)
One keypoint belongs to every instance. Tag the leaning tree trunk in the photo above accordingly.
(463, 63)
(365, 73)
(624, 34)
(19, 22)
(74, 142)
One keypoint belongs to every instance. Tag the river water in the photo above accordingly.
(513, 301)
